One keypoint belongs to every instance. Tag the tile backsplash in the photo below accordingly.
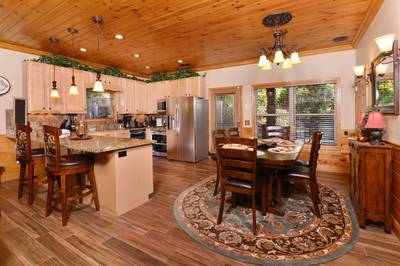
(37, 121)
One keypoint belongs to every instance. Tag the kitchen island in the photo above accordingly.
(123, 169)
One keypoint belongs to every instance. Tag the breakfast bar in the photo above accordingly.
(123, 169)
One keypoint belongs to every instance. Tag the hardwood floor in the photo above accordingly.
(147, 235)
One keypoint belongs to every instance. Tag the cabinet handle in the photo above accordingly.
(49, 108)
(43, 108)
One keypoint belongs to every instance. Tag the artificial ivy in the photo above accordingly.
(64, 61)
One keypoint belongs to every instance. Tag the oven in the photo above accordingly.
(160, 143)
(162, 106)
(138, 133)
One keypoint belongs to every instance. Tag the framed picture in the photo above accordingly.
(4, 85)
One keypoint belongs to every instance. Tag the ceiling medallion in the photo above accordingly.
(278, 54)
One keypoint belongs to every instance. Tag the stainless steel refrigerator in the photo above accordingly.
(187, 131)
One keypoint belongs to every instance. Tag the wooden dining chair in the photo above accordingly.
(276, 131)
(27, 158)
(238, 171)
(306, 175)
(213, 155)
(233, 132)
(62, 168)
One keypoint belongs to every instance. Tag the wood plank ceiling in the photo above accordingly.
(203, 33)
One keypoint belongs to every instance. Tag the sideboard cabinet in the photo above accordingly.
(370, 182)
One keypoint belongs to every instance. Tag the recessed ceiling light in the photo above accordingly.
(119, 36)
(180, 61)
(83, 49)
(136, 55)
(147, 67)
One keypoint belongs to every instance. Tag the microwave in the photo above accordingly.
(162, 106)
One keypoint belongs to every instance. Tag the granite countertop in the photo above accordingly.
(100, 144)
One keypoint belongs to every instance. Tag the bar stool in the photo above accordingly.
(27, 157)
(61, 168)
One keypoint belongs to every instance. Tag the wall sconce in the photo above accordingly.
(360, 74)
(381, 69)
(385, 42)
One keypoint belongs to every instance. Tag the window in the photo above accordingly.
(99, 105)
(304, 108)
(224, 111)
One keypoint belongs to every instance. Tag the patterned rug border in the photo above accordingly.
(323, 259)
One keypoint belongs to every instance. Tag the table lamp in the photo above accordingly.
(376, 123)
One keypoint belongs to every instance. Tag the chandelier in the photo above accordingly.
(278, 54)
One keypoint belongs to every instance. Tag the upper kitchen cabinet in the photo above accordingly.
(37, 82)
(111, 83)
(156, 91)
(89, 79)
(196, 87)
(129, 94)
(172, 88)
(75, 104)
(140, 97)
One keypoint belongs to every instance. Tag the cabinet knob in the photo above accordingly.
(43, 108)
(49, 108)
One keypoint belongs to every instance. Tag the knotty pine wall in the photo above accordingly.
(396, 189)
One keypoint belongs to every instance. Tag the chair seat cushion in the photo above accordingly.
(37, 152)
(72, 160)
(298, 171)
(244, 183)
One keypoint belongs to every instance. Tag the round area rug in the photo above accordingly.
(297, 238)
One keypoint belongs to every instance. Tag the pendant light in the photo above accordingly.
(98, 86)
(73, 90)
(54, 92)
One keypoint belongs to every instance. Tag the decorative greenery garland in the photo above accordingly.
(64, 61)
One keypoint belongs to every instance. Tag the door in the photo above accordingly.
(225, 109)
(185, 129)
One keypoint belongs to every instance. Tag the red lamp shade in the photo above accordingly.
(360, 119)
(375, 120)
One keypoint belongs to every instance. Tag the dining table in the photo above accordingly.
(271, 162)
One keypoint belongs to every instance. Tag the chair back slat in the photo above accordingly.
(237, 161)
(52, 148)
(235, 174)
(23, 143)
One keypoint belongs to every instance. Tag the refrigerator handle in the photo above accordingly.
(177, 117)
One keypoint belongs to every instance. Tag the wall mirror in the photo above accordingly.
(385, 81)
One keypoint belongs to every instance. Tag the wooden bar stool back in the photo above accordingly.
(61, 168)
(237, 159)
(27, 158)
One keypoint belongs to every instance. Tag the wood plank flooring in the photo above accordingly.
(147, 235)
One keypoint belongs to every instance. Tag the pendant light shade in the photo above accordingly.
(73, 90)
(278, 58)
(385, 42)
(98, 86)
(295, 58)
(54, 92)
(286, 64)
(263, 61)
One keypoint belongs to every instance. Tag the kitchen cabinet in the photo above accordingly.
(172, 88)
(156, 91)
(183, 87)
(129, 93)
(37, 83)
(196, 87)
(140, 97)
(74, 104)
(111, 83)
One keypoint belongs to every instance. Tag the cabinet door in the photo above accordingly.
(155, 92)
(89, 79)
(140, 97)
(54, 105)
(183, 87)
(76, 104)
(119, 99)
(129, 93)
(34, 86)
(172, 88)
(196, 87)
